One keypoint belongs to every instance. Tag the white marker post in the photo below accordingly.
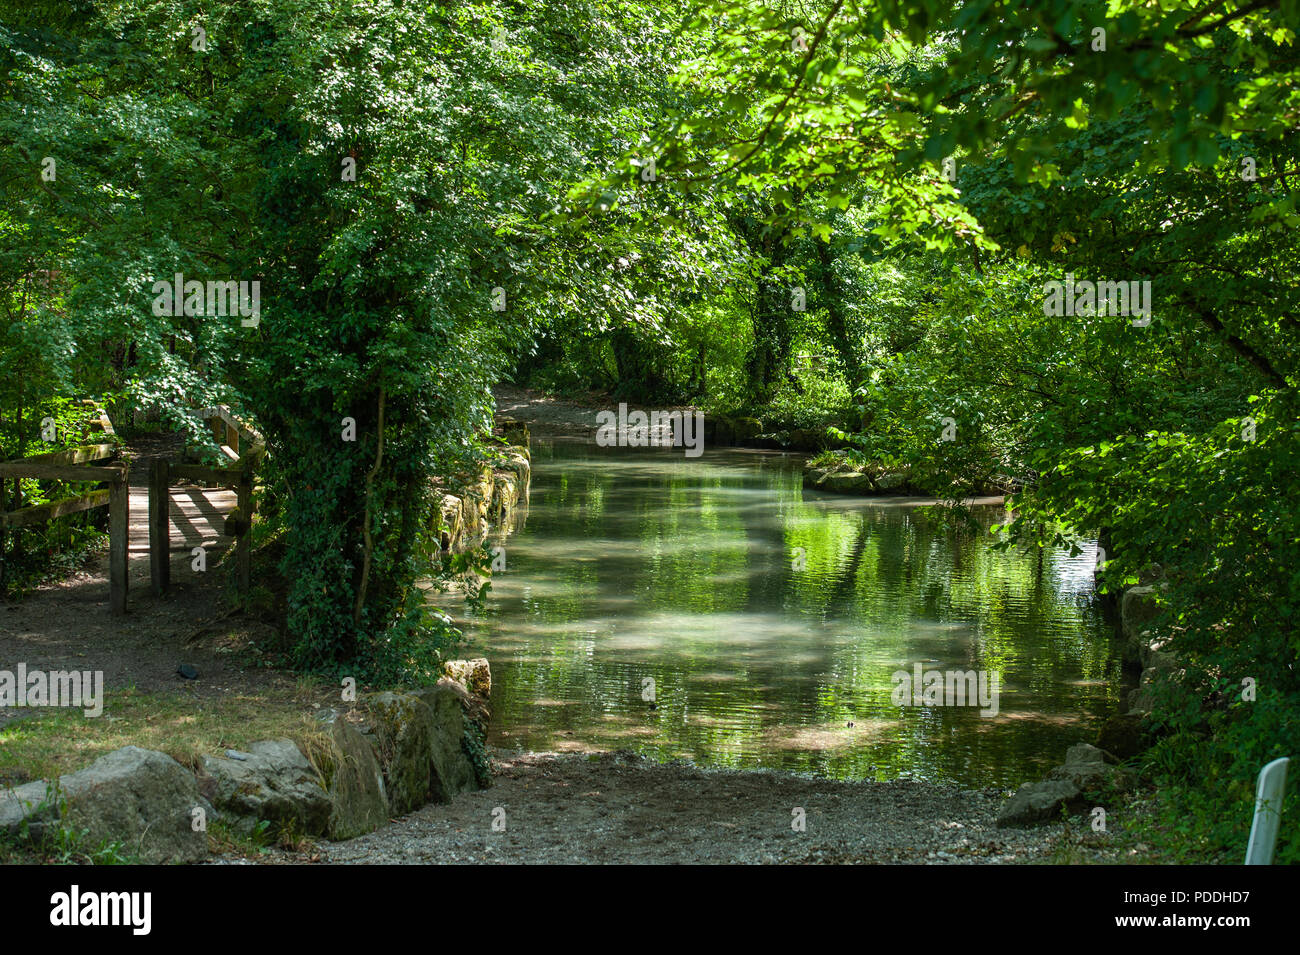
(1268, 813)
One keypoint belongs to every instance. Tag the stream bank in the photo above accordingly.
(559, 809)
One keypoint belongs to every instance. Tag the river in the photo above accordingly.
(712, 609)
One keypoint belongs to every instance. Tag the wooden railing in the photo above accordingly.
(236, 440)
(232, 437)
(74, 465)
(239, 443)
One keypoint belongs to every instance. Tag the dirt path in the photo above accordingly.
(556, 415)
(620, 808)
(67, 623)
(548, 414)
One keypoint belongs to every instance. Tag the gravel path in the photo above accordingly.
(621, 808)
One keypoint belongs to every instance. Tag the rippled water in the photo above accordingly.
(635, 565)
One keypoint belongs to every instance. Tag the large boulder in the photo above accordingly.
(1087, 776)
(839, 476)
(807, 440)
(719, 430)
(746, 429)
(471, 683)
(139, 797)
(890, 481)
(481, 490)
(474, 707)
(472, 521)
(272, 782)
(1093, 770)
(505, 495)
(846, 482)
(1141, 700)
(403, 728)
(1155, 655)
(358, 801)
(1040, 802)
(517, 463)
(520, 464)
(450, 768)
(514, 432)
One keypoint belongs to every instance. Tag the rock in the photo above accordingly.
(404, 732)
(517, 463)
(1091, 769)
(808, 440)
(473, 707)
(848, 482)
(1088, 773)
(475, 675)
(505, 494)
(139, 797)
(841, 477)
(1140, 701)
(1138, 607)
(746, 429)
(1153, 654)
(891, 481)
(472, 520)
(1122, 735)
(1151, 574)
(1040, 802)
(451, 771)
(719, 430)
(482, 490)
(453, 526)
(272, 782)
(358, 801)
(29, 802)
(514, 432)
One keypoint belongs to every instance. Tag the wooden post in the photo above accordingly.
(160, 568)
(119, 541)
(244, 543)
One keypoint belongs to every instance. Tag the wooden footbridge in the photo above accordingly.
(154, 517)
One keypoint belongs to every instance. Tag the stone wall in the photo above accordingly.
(471, 506)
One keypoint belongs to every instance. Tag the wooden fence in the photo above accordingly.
(240, 444)
(75, 465)
(233, 437)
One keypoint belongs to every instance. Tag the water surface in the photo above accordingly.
(770, 619)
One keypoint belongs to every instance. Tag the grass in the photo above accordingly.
(52, 742)
(57, 843)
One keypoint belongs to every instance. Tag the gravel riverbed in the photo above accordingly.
(622, 808)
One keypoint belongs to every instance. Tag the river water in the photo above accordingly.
(772, 622)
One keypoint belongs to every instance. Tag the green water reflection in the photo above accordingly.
(634, 565)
